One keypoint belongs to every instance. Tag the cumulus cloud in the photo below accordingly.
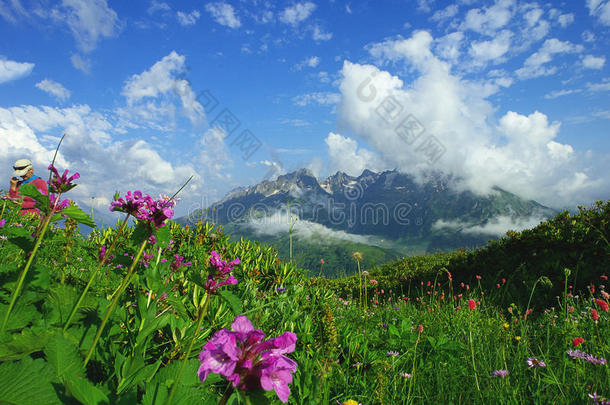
(319, 35)
(297, 13)
(188, 19)
(440, 121)
(11, 70)
(593, 62)
(488, 20)
(491, 51)
(224, 14)
(162, 80)
(346, 157)
(536, 64)
(445, 14)
(55, 89)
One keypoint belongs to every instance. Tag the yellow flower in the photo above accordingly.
(350, 402)
(518, 338)
(505, 325)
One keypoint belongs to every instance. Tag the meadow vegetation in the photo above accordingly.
(161, 313)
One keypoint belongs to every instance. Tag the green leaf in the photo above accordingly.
(42, 201)
(78, 215)
(27, 382)
(28, 341)
(163, 236)
(63, 357)
(84, 390)
(232, 300)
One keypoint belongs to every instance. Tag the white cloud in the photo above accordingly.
(497, 226)
(565, 19)
(297, 13)
(312, 62)
(458, 132)
(600, 9)
(535, 64)
(593, 62)
(161, 80)
(80, 63)
(603, 86)
(346, 157)
(89, 21)
(561, 93)
(588, 36)
(11, 70)
(322, 98)
(158, 6)
(224, 14)
(445, 14)
(55, 89)
(448, 46)
(483, 52)
(319, 35)
(489, 19)
(188, 19)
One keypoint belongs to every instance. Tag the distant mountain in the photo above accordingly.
(388, 209)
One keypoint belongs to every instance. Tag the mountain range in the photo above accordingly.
(388, 214)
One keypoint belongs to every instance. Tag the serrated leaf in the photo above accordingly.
(63, 357)
(78, 215)
(84, 390)
(27, 382)
(163, 235)
(42, 201)
(21, 345)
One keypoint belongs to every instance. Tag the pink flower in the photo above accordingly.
(220, 274)
(500, 373)
(602, 304)
(247, 361)
(2, 222)
(60, 184)
(594, 315)
(133, 204)
(177, 264)
(471, 304)
(534, 362)
(420, 328)
(374, 282)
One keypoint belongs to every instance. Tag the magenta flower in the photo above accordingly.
(56, 204)
(577, 354)
(157, 211)
(2, 222)
(60, 184)
(175, 266)
(499, 373)
(133, 204)
(220, 274)
(533, 362)
(247, 361)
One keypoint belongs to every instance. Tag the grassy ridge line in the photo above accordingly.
(578, 242)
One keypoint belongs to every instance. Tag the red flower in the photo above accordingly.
(594, 315)
(321, 261)
(602, 304)
(420, 328)
(471, 304)
(577, 341)
(478, 277)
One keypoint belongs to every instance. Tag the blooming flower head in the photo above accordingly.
(56, 204)
(220, 274)
(350, 402)
(374, 282)
(60, 184)
(594, 315)
(157, 211)
(420, 328)
(602, 304)
(405, 375)
(2, 222)
(321, 261)
(472, 304)
(178, 263)
(132, 204)
(241, 355)
(500, 373)
(392, 353)
(577, 341)
(534, 362)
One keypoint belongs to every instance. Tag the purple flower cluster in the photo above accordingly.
(500, 373)
(221, 273)
(56, 204)
(178, 262)
(577, 354)
(144, 207)
(247, 361)
(2, 222)
(534, 362)
(61, 184)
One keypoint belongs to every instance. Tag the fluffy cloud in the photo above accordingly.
(593, 62)
(88, 20)
(496, 226)
(489, 19)
(80, 63)
(55, 89)
(311, 62)
(440, 121)
(319, 35)
(293, 15)
(224, 14)
(11, 70)
(346, 157)
(188, 19)
(600, 9)
(535, 64)
(161, 79)
(487, 51)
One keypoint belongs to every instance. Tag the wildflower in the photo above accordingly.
(321, 261)
(60, 184)
(220, 274)
(102, 253)
(2, 222)
(178, 263)
(357, 255)
(518, 338)
(602, 304)
(534, 362)
(604, 277)
(506, 325)
(133, 204)
(471, 304)
(605, 295)
(499, 373)
(146, 259)
(571, 309)
(577, 341)
(420, 328)
(392, 353)
(365, 273)
(350, 402)
(56, 204)
(152, 240)
(280, 289)
(158, 211)
(405, 375)
(247, 361)
(477, 277)
(577, 354)
(374, 282)
(594, 315)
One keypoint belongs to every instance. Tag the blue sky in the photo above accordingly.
(504, 92)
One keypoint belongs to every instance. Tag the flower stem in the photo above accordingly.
(200, 316)
(413, 368)
(474, 367)
(99, 266)
(25, 271)
(115, 299)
